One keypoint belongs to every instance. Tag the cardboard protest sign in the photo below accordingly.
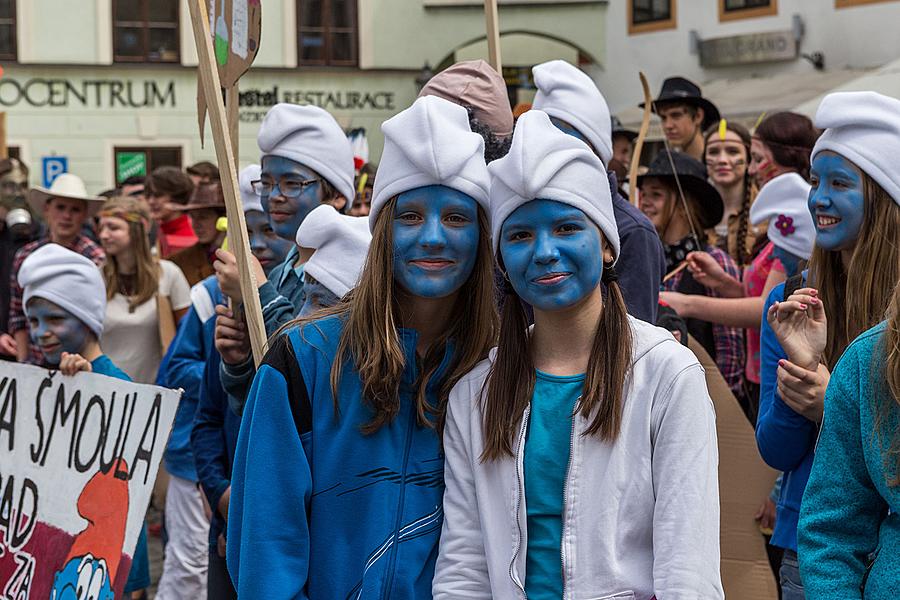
(78, 458)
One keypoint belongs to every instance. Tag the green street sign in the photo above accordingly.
(130, 164)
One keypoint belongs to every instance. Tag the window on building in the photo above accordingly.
(8, 30)
(145, 31)
(327, 33)
(650, 15)
(131, 161)
(745, 9)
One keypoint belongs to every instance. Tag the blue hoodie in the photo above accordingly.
(786, 439)
(318, 509)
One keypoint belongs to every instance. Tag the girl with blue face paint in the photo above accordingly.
(553, 427)
(852, 273)
(344, 415)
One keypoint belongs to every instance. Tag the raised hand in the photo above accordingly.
(709, 273)
(801, 326)
(803, 390)
(70, 364)
(231, 337)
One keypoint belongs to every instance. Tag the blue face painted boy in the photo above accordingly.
(269, 249)
(790, 262)
(289, 191)
(435, 240)
(55, 330)
(553, 254)
(315, 296)
(836, 201)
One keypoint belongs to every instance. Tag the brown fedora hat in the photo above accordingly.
(207, 195)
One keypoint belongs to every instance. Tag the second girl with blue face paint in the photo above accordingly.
(338, 473)
(581, 457)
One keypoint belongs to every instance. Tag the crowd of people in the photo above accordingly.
(483, 376)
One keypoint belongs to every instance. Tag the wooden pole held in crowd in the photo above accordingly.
(4, 149)
(492, 20)
(227, 159)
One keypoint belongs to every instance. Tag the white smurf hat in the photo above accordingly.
(341, 243)
(782, 203)
(430, 143)
(545, 163)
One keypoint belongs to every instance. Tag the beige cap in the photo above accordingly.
(475, 83)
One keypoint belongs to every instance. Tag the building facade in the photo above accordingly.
(108, 88)
(749, 56)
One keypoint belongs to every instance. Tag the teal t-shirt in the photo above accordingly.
(547, 447)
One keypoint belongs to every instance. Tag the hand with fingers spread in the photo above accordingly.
(803, 390)
(231, 339)
(801, 326)
(70, 364)
(710, 274)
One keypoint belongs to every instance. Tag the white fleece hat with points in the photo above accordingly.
(430, 143)
(67, 279)
(782, 203)
(249, 198)
(545, 163)
(310, 136)
(566, 92)
(341, 243)
(863, 127)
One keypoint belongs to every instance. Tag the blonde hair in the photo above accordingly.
(146, 277)
(858, 296)
(370, 336)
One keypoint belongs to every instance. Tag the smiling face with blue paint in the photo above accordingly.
(836, 201)
(55, 330)
(286, 213)
(436, 234)
(267, 247)
(553, 254)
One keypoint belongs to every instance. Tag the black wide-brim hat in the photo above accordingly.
(692, 175)
(619, 129)
(684, 91)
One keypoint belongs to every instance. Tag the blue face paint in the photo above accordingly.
(790, 262)
(269, 249)
(55, 330)
(286, 214)
(568, 129)
(315, 296)
(553, 254)
(435, 240)
(836, 201)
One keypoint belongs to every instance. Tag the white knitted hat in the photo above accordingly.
(341, 243)
(568, 93)
(67, 279)
(863, 127)
(545, 163)
(782, 202)
(430, 143)
(310, 136)
(249, 198)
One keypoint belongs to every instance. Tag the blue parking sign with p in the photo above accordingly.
(53, 167)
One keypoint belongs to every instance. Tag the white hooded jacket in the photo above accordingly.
(640, 516)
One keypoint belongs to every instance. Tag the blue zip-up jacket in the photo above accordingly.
(850, 508)
(281, 298)
(786, 439)
(213, 440)
(318, 509)
(186, 360)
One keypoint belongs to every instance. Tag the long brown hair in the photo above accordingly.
(891, 400)
(370, 339)
(146, 276)
(858, 296)
(510, 382)
(790, 138)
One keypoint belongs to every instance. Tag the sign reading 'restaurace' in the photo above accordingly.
(748, 49)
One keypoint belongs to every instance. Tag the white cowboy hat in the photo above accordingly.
(67, 185)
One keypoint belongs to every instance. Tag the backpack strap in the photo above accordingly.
(793, 284)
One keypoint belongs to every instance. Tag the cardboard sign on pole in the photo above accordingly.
(209, 77)
(492, 22)
(78, 459)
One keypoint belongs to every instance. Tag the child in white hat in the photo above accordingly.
(340, 244)
(64, 298)
(338, 476)
(590, 409)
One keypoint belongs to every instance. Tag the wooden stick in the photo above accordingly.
(231, 107)
(209, 76)
(492, 20)
(675, 271)
(4, 150)
(639, 143)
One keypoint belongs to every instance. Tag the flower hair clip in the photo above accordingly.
(785, 225)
